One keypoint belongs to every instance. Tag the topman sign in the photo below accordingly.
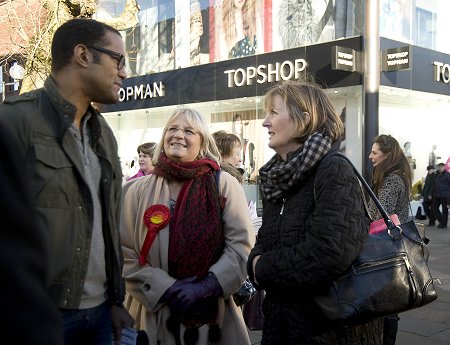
(269, 73)
(142, 91)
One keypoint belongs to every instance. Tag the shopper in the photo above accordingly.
(441, 193)
(313, 220)
(75, 176)
(145, 152)
(391, 183)
(230, 148)
(179, 283)
(427, 195)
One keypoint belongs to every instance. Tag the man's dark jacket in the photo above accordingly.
(441, 184)
(40, 122)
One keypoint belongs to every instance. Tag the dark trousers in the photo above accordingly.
(91, 326)
(390, 329)
(442, 217)
(429, 211)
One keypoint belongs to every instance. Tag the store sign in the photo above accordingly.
(396, 59)
(142, 91)
(343, 59)
(442, 72)
(269, 73)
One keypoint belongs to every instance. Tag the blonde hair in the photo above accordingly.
(309, 107)
(229, 21)
(208, 147)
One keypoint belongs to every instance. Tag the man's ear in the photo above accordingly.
(82, 55)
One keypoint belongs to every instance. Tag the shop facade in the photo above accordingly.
(414, 94)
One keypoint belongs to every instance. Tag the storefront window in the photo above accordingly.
(243, 117)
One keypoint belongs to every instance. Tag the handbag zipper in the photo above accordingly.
(282, 206)
(402, 259)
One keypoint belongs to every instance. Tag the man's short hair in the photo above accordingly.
(74, 32)
(441, 164)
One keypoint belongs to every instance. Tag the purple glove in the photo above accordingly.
(185, 292)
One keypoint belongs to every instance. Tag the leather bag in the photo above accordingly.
(389, 276)
(245, 293)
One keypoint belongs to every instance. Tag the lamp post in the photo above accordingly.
(17, 72)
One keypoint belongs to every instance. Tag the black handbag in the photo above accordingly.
(245, 293)
(253, 313)
(389, 276)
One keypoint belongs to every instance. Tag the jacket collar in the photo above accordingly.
(67, 110)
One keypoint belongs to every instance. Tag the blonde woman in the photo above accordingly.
(179, 286)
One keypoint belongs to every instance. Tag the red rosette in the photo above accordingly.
(156, 217)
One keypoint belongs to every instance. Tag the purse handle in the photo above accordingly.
(389, 223)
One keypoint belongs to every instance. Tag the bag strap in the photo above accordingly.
(389, 223)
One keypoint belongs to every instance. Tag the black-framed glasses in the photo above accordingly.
(115, 55)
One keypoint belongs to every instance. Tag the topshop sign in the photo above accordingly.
(441, 72)
(269, 73)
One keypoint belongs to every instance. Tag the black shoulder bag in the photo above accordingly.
(389, 276)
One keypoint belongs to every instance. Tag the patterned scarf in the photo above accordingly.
(196, 239)
(278, 176)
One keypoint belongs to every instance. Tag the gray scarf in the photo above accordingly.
(278, 176)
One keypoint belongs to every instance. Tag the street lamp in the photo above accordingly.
(17, 72)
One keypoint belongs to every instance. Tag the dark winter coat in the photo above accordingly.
(441, 184)
(306, 241)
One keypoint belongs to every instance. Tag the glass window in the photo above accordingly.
(426, 28)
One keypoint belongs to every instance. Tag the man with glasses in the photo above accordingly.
(71, 161)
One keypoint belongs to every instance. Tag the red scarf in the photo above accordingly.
(196, 238)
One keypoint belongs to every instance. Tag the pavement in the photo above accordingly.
(430, 324)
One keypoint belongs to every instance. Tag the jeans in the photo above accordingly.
(91, 326)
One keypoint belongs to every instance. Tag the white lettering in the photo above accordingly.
(230, 77)
(446, 73)
(261, 70)
(142, 91)
(285, 70)
(251, 73)
(240, 82)
(397, 62)
(273, 72)
(442, 72)
(139, 91)
(343, 55)
(345, 62)
(399, 55)
(290, 70)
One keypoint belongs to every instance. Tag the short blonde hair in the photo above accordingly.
(309, 107)
(208, 147)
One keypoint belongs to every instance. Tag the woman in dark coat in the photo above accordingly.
(314, 221)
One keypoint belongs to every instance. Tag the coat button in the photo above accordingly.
(146, 287)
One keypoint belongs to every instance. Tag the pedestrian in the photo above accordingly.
(29, 315)
(391, 183)
(427, 195)
(145, 152)
(441, 193)
(230, 148)
(75, 177)
(186, 235)
(314, 222)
